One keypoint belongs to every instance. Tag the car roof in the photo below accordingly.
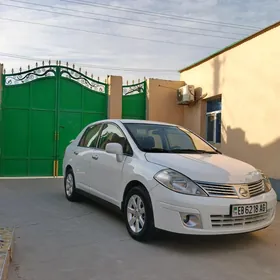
(135, 121)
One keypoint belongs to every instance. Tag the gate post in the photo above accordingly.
(115, 93)
(1, 79)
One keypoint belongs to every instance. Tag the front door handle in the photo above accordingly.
(76, 153)
(95, 157)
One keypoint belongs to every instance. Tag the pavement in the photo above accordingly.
(59, 240)
(6, 251)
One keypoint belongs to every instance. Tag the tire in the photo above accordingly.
(70, 190)
(139, 231)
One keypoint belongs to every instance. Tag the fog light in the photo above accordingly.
(191, 220)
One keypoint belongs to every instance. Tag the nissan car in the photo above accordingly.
(164, 176)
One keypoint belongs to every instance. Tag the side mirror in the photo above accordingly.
(116, 149)
(71, 141)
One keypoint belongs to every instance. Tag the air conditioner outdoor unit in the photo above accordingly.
(185, 95)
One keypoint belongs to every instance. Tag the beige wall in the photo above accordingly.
(248, 78)
(161, 101)
(194, 118)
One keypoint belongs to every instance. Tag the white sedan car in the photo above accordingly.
(163, 176)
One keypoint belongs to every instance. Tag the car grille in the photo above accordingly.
(256, 188)
(220, 190)
(231, 191)
(228, 221)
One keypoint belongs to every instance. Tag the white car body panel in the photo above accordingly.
(105, 175)
(208, 167)
(168, 205)
(107, 178)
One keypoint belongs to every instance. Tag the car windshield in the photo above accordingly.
(157, 138)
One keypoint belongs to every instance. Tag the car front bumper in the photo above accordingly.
(213, 214)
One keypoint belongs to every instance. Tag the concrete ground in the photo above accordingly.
(57, 240)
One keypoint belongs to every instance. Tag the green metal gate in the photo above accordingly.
(42, 110)
(134, 101)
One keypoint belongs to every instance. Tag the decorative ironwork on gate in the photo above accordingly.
(29, 75)
(134, 88)
(51, 71)
(134, 101)
(83, 79)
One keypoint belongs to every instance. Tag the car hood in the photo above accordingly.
(215, 168)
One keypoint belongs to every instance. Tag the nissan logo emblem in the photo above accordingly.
(243, 192)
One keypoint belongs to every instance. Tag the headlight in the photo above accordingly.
(178, 183)
(267, 184)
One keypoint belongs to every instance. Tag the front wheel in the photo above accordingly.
(70, 186)
(138, 214)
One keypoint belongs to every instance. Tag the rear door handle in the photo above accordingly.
(95, 157)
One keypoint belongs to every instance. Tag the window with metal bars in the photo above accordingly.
(213, 120)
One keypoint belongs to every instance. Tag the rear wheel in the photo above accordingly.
(70, 186)
(139, 214)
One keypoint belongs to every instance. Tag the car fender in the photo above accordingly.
(139, 170)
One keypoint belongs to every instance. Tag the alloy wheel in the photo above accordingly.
(69, 186)
(136, 213)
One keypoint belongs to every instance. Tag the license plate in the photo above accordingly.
(248, 209)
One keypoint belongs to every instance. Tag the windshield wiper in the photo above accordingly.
(192, 151)
(156, 150)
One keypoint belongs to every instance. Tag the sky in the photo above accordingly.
(129, 38)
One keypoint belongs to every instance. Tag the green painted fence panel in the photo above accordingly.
(27, 146)
(134, 101)
(82, 100)
(43, 109)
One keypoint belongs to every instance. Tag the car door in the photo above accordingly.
(106, 172)
(83, 156)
